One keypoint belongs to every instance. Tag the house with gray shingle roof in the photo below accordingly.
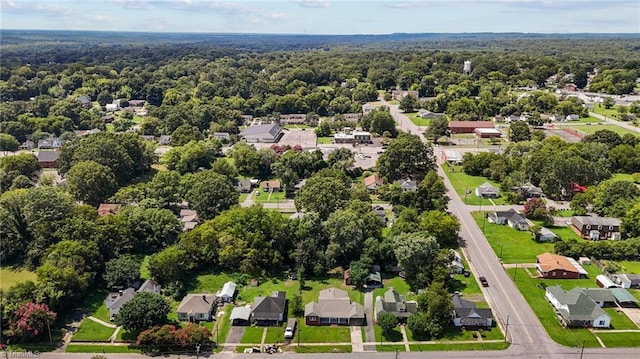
(269, 133)
(576, 309)
(197, 307)
(269, 310)
(395, 304)
(467, 314)
(486, 190)
(334, 307)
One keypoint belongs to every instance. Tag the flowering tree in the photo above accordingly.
(30, 320)
(169, 337)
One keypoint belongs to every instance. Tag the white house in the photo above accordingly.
(112, 107)
(227, 292)
(576, 309)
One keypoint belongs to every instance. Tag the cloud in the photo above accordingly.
(135, 4)
(36, 8)
(409, 4)
(314, 3)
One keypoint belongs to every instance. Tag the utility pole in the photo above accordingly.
(506, 330)
(582, 350)
(501, 246)
(397, 351)
(299, 331)
(515, 273)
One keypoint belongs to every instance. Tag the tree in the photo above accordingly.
(631, 222)
(30, 320)
(536, 209)
(408, 103)
(405, 157)
(122, 271)
(519, 131)
(322, 194)
(8, 143)
(224, 167)
(614, 197)
(379, 121)
(185, 134)
(296, 305)
(164, 187)
(192, 156)
(147, 230)
(608, 137)
(347, 230)
(416, 253)
(245, 158)
(441, 225)
(423, 327)
(359, 271)
(387, 322)
(169, 265)
(323, 129)
(209, 193)
(608, 102)
(440, 305)
(143, 311)
(438, 127)
(91, 182)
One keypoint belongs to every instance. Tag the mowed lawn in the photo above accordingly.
(266, 197)
(10, 276)
(417, 120)
(463, 183)
(90, 331)
(591, 129)
(632, 267)
(515, 246)
(620, 339)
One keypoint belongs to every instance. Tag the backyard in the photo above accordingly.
(465, 186)
(10, 276)
(417, 120)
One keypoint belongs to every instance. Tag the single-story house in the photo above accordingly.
(271, 186)
(373, 182)
(50, 143)
(428, 114)
(110, 107)
(576, 309)
(85, 101)
(240, 316)
(486, 190)
(164, 140)
(108, 208)
(116, 300)
(596, 228)
(243, 185)
(150, 286)
(605, 282)
(269, 310)
(269, 133)
(334, 307)
(452, 157)
(48, 159)
(374, 280)
(367, 107)
(546, 235)
(511, 218)
(487, 133)
(627, 280)
(352, 117)
(228, 292)
(603, 297)
(27, 145)
(556, 267)
(395, 304)
(137, 103)
(408, 185)
(197, 307)
(468, 126)
(528, 190)
(467, 314)
(222, 136)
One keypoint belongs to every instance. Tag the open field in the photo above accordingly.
(588, 120)
(10, 276)
(417, 120)
(600, 110)
(534, 295)
(589, 130)
(462, 182)
(91, 331)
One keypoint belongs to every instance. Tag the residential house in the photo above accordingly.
(243, 185)
(268, 133)
(27, 145)
(108, 208)
(228, 292)
(575, 309)
(149, 286)
(498, 118)
(380, 212)
(334, 307)
(596, 228)
(486, 190)
(528, 190)
(188, 218)
(511, 218)
(468, 126)
(456, 266)
(198, 307)
(225, 137)
(605, 282)
(395, 304)
(50, 143)
(85, 133)
(137, 103)
(348, 135)
(271, 186)
(408, 185)
(373, 182)
(627, 280)
(48, 159)
(367, 107)
(247, 118)
(85, 101)
(240, 316)
(269, 310)
(116, 300)
(601, 296)
(352, 117)
(573, 117)
(545, 235)
(374, 280)
(400, 94)
(108, 118)
(428, 114)
(556, 267)
(556, 118)
(110, 107)
(467, 314)
(164, 140)
(624, 298)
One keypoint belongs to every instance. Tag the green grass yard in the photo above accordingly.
(84, 348)
(417, 120)
(252, 335)
(620, 339)
(619, 320)
(90, 331)
(392, 336)
(10, 276)
(265, 197)
(323, 349)
(390, 348)
(589, 130)
(274, 335)
(588, 120)
(222, 324)
(462, 182)
(463, 346)
(322, 334)
(458, 334)
(396, 282)
(324, 140)
(632, 267)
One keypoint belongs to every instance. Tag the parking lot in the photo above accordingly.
(303, 137)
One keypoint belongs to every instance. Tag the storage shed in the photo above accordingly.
(227, 292)
(604, 282)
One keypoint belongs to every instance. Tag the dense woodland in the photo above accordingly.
(197, 86)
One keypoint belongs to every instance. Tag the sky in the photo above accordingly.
(325, 16)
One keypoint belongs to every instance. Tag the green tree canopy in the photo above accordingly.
(144, 311)
(405, 157)
(209, 193)
(91, 182)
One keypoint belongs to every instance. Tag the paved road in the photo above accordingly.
(611, 121)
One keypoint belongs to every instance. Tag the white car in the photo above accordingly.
(288, 333)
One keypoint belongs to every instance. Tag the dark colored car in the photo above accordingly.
(484, 282)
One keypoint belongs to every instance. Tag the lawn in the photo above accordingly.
(10, 276)
(457, 334)
(589, 120)
(390, 348)
(144, 268)
(324, 140)
(324, 349)
(243, 197)
(514, 246)
(417, 120)
(222, 327)
(534, 295)
(91, 331)
(567, 213)
(620, 339)
(266, 197)
(252, 335)
(274, 335)
(464, 346)
(619, 320)
(322, 334)
(622, 177)
(83, 348)
(600, 110)
(393, 336)
(596, 127)
(396, 282)
(102, 312)
(463, 183)
(631, 267)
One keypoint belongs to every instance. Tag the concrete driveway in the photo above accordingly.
(633, 314)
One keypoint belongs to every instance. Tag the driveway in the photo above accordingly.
(370, 334)
(633, 314)
(234, 337)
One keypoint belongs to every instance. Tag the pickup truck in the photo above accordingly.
(290, 329)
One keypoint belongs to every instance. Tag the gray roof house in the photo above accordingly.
(467, 314)
(269, 133)
(222, 136)
(85, 101)
(627, 280)
(528, 190)
(243, 185)
(408, 185)
(511, 217)
(197, 307)
(546, 235)
(428, 114)
(576, 309)
(150, 286)
(486, 190)
(115, 301)
(395, 304)
(334, 307)
(240, 316)
(228, 291)
(164, 140)
(269, 310)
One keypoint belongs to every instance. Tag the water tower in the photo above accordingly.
(467, 67)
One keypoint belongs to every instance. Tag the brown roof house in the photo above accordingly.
(334, 307)
(48, 159)
(373, 182)
(596, 228)
(271, 186)
(558, 267)
(197, 307)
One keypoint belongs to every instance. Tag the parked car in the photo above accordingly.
(484, 282)
(290, 329)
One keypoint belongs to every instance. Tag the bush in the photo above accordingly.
(169, 338)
